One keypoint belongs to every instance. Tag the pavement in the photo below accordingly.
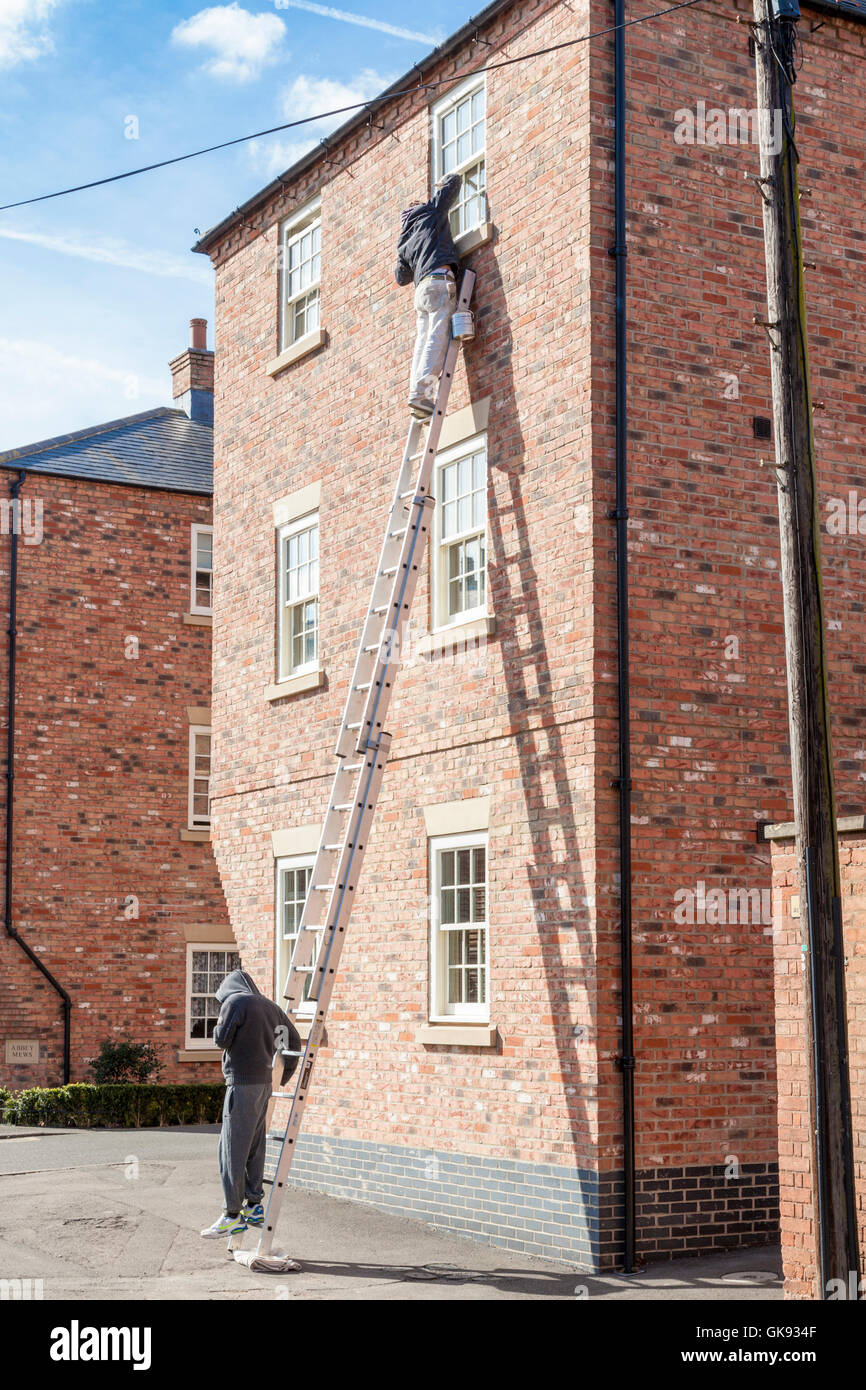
(116, 1214)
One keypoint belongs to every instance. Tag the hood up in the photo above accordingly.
(236, 982)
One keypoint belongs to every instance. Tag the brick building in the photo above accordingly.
(113, 889)
(472, 1070)
(797, 1199)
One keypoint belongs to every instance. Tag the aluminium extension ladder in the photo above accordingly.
(362, 751)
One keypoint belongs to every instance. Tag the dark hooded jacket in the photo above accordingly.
(426, 242)
(252, 1030)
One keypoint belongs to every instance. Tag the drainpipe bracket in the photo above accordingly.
(625, 1063)
(617, 250)
(621, 782)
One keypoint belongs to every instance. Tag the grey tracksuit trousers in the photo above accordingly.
(243, 1140)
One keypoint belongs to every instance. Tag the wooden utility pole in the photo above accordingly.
(774, 32)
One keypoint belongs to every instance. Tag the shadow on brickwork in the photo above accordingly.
(555, 879)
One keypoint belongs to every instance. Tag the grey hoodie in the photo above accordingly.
(251, 1030)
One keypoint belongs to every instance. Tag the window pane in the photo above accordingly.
(204, 550)
(447, 906)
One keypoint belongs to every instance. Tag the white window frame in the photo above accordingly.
(198, 822)
(439, 111)
(194, 605)
(305, 220)
(306, 1007)
(440, 620)
(207, 1043)
(440, 1010)
(285, 670)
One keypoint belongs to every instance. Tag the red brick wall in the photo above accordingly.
(796, 1195)
(538, 727)
(101, 757)
(708, 713)
(513, 722)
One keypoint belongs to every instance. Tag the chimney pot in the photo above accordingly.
(198, 335)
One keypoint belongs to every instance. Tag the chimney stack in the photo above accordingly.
(192, 376)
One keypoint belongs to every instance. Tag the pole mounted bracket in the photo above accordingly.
(754, 178)
(767, 326)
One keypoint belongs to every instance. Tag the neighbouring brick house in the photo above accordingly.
(471, 1075)
(113, 882)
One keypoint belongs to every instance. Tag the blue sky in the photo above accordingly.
(97, 288)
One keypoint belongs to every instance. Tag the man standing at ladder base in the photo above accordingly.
(253, 1033)
(426, 254)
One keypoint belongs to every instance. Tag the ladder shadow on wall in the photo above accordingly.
(557, 889)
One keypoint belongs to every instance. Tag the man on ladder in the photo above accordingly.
(426, 254)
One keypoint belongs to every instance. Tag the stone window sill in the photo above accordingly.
(478, 236)
(309, 343)
(456, 1034)
(197, 836)
(198, 619)
(311, 680)
(456, 636)
(196, 1054)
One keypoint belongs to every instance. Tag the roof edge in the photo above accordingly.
(845, 9)
(221, 229)
(58, 441)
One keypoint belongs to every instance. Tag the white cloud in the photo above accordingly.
(271, 156)
(113, 251)
(48, 392)
(241, 43)
(24, 34)
(305, 97)
(328, 12)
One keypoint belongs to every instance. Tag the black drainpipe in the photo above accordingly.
(10, 774)
(623, 782)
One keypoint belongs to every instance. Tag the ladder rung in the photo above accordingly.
(357, 725)
(372, 647)
(343, 806)
(322, 887)
(331, 850)
(382, 608)
(395, 535)
(365, 686)
(392, 569)
(351, 767)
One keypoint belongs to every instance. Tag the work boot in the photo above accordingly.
(253, 1213)
(225, 1226)
(421, 407)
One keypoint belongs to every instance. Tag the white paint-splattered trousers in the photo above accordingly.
(435, 298)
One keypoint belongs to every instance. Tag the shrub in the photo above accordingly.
(126, 1061)
(129, 1105)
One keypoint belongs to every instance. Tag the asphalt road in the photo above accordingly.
(116, 1214)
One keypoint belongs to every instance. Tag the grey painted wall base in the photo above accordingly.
(535, 1208)
(569, 1214)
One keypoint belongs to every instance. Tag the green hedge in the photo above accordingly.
(85, 1106)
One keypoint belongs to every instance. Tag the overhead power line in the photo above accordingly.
(342, 110)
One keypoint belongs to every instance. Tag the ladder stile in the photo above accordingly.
(362, 753)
